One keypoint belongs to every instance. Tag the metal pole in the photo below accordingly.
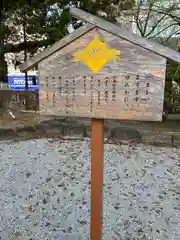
(25, 53)
(25, 59)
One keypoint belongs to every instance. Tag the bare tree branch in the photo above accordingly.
(155, 19)
(147, 18)
(155, 25)
(164, 29)
(167, 13)
(138, 22)
(170, 36)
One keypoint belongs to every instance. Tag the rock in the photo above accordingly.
(116, 207)
(7, 133)
(107, 131)
(156, 137)
(123, 133)
(176, 138)
(82, 222)
(52, 123)
(40, 128)
(87, 131)
(48, 179)
(76, 130)
(28, 174)
(84, 202)
(52, 131)
(44, 201)
(61, 185)
(72, 121)
(26, 131)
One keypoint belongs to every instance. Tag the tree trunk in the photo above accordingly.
(3, 70)
(3, 65)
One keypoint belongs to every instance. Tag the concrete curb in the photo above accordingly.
(61, 127)
(169, 138)
(156, 137)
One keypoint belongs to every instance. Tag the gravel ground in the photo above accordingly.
(45, 191)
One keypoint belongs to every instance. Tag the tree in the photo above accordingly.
(152, 19)
(46, 21)
(30, 20)
(158, 20)
(40, 23)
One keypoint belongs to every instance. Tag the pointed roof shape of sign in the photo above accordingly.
(94, 21)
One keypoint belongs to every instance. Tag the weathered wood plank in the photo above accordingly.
(132, 57)
(133, 38)
(55, 47)
(132, 88)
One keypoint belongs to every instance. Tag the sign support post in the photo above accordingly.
(97, 159)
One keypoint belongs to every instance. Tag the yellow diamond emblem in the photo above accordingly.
(96, 54)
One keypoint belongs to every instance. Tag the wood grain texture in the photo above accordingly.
(26, 66)
(132, 88)
(97, 175)
(133, 38)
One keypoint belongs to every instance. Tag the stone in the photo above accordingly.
(26, 131)
(123, 133)
(88, 131)
(76, 130)
(40, 128)
(156, 137)
(7, 133)
(54, 131)
(56, 123)
(71, 120)
(176, 138)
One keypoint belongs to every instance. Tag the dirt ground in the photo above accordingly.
(22, 119)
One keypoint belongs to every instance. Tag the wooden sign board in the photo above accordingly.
(130, 88)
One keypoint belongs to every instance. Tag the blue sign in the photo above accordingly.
(17, 83)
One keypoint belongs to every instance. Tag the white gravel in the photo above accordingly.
(45, 191)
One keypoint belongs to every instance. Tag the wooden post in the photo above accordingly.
(97, 157)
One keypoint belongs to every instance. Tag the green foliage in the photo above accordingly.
(35, 18)
(172, 93)
(28, 15)
(34, 15)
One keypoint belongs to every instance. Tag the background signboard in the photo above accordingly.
(17, 83)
